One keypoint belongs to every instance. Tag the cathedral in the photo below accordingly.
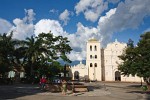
(101, 63)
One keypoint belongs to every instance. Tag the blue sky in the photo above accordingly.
(79, 20)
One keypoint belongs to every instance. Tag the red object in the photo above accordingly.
(43, 80)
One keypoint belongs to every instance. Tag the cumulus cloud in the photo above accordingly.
(92, 9)
(24, 28)
(64, 16)
(78, 40)
(29, 15)
(127, 15)
(5, 26)
(107, 16)
(77, 55)
(21, 30)
(47, 25)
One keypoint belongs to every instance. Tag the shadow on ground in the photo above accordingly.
(92, 88)
(18, 90)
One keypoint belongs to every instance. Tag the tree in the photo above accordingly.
(35, 53)
(44, 49)
(34, 50)
(136, 60)
(57, 46)
(7, 49)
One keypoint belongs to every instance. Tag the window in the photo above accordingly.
(90, 56)
(95, 64)
(90, 48)
(95, 48)
(91, 65)
(95, 56)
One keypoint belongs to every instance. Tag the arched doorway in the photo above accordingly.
(76, 75)
(117, 76)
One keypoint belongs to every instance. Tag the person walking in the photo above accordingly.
(43, 82)
(64, 87)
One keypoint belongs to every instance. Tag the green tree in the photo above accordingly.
(33, 51)
(44, 49)
(7, 49)
(136, 60)
(58, 47)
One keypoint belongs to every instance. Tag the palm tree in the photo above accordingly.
(34, 51)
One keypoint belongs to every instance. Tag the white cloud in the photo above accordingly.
(107, 16)
(128, 15)
(79, 39)
(54, 11)
(29, 16)
(77, 55)
(5, 26)
(64, 16)
(47, 25)
(24, 28)
(92, 9)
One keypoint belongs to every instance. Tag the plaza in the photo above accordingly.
(97, 91)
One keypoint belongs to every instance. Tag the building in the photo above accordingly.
(102, 64)
(79, 71)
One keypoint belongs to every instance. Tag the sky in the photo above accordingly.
(79, 20)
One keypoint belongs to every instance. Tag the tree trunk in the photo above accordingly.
(65, 71)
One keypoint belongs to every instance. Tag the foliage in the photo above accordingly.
(38, 55)
(136, 60)
(7, 49)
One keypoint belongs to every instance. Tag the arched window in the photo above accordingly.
(95, 64)
(95, 48)
(90, 48)
(95, 56)
(91, 65)
(90, 56)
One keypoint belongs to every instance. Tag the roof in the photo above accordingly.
(93, 40)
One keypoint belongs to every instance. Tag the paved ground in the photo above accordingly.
(98, 91)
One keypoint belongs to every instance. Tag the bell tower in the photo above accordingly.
(93, 59)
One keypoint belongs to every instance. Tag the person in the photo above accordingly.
(64, 87)
(43, 82)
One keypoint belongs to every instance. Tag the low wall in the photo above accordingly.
(57, 87)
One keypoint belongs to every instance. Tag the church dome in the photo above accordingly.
(93, 40)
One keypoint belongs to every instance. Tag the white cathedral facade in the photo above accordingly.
(102, 64)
